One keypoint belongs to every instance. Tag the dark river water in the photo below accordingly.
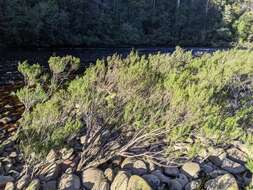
(9, 58)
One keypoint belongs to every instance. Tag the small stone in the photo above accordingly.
(172, 171)
(136, 182)
(103, 185)
(52, 185)
(52, 156)
(175, 185)
(232, 167)
(139, 167)
(69, 182)
(191, 169)
(193, 185)
(153, 180)
(5, 179)
(208, 167)
(109, 174)
(91, 177)
(49, 172)
(23, 181)
(34, 185)
(120, 181)
(116, 161)
(82, 139)
(161, 176)
(225, 182)
(181, 178)
(13, 155)
(9, 186)
(128, 163)
(67, 153)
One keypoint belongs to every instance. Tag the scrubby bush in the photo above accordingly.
(199, 102)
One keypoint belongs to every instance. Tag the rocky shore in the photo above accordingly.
(223, 170)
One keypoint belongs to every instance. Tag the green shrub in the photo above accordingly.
(207, 99)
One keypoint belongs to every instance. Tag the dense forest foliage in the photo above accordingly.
(125, 22)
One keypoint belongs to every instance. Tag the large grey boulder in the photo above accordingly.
(92, 177)
(224, 182)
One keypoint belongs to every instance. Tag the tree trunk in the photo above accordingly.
(178, 3)
(207, 7)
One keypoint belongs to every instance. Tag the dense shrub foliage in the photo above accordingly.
(205, 101)
(120, 22)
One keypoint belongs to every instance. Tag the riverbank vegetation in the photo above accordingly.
(64, 23)
(120, 103)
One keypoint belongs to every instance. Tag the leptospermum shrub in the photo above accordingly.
(200, 101)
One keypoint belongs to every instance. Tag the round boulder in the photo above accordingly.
(137, 182)
(91, 177)
(120, 181)
(224, 182)
(191, 169)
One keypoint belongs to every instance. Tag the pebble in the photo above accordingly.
(191, 169)
(109, 174)
(69, 182)
(82, 140)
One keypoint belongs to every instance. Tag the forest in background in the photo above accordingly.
(125, 22)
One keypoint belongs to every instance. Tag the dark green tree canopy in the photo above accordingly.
(124, 22)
